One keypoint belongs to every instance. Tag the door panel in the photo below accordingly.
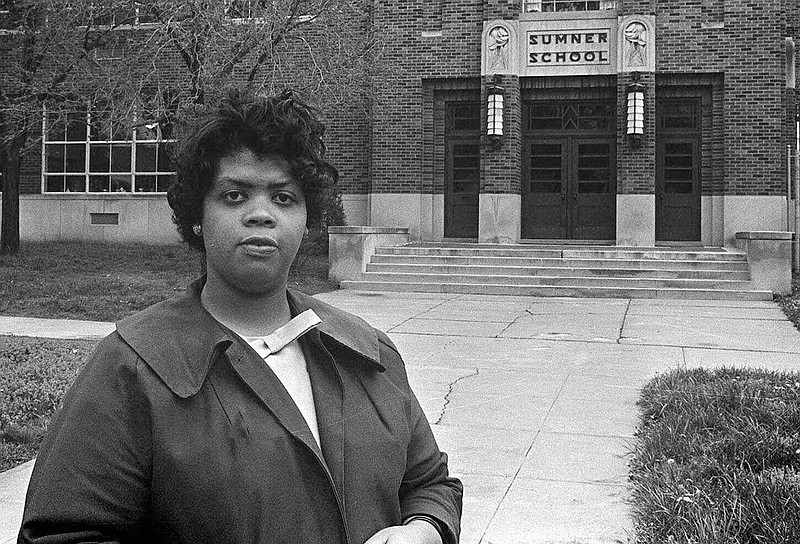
(544, 212)
(594, 191)
(678, 190)
(462, 169)
(463, 185)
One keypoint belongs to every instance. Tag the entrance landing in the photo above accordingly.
(561, 270)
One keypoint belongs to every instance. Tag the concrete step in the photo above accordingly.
(399, 277)
(587, 271)
(455, 260)
(556, 253)
(559, 291)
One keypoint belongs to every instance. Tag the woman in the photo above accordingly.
(241, 411)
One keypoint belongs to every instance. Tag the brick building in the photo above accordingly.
(629, 121)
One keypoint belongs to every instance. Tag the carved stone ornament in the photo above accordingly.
(636, 43)
(497, 44)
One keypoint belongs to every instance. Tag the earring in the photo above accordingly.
(197, 229)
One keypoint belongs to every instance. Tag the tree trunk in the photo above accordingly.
(11, 161)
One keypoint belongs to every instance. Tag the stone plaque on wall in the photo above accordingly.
(637, 43)
(551, 46)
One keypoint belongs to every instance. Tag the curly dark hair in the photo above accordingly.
(278, 125)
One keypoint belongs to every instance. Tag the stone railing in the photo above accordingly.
(350, 248)
(769, 254)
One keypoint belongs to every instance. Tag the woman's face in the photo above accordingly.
(254, 218)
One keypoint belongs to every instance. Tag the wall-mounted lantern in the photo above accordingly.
(494, 103)
(636, 108)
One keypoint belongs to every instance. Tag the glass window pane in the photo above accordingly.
(593, 149)
(147, 132)
(673, 174)
(465, 187)
(76, 184)
(165, 163)
(678, 148)
(462, 174)
(589, 174)
(99, 184)
(546, 149)
(120, 158)
(99, 158)
(145, 184)
(164, 182)
(76, 127)
(545, 174)
(75, 158)
(593, 160)
(121, 183)
(687, 161)
(545, 187)
(678, 188)
(54, 184)
(54, 161)
(545, 161)
(593, 188)
(146, 157)
(56, 127)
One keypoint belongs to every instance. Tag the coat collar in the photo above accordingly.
(178, 338)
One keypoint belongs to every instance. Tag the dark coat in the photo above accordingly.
(176, 431)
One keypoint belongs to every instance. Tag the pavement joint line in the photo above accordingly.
(510, 324)
(575, 481)
(622, 325)
(450, 388)
(418, 314)
(605, 341)
(527, 452)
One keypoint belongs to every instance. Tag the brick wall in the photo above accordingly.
(636, 166)
(500, 166)
(409, 59)
(747, 45)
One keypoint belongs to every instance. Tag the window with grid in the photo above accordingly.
(85, 152)
(529, 6)
(135, 13)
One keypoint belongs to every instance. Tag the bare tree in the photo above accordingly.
(168, 57)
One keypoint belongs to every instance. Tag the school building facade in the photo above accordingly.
(631, 122)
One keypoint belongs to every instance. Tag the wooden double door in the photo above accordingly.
(569, 171)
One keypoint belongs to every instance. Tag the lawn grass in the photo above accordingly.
(96, 282)
(717, 458)
(104, 282)
(34, 375)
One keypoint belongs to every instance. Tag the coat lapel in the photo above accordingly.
(268, 388)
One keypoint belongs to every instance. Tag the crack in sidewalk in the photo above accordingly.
(450, 387)
(624, 317)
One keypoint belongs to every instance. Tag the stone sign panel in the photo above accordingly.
(545, 46)
(574, 47)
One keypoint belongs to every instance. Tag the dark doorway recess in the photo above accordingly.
(462, 169)
(569, 170)
(678, 161)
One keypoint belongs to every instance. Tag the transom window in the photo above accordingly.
(87, 153)
(563, 5)
(569, 116)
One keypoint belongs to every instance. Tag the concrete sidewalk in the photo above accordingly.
(533, 398)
